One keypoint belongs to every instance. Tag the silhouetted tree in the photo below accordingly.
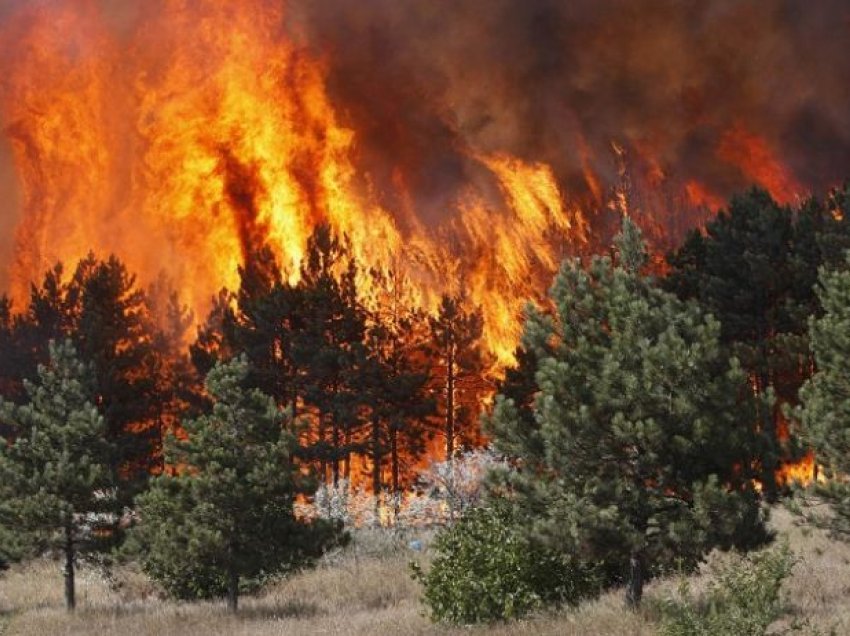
(394, 382)
(459, 368)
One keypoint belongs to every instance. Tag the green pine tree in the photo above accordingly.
(754, 269)
(642, 442)
(55, 479)
(222, 513)
(825, 398)
(108, 319)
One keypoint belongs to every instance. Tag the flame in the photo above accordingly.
(699, 195)
(206, 131)
(803, 472)
(756, 159)
(194, 131)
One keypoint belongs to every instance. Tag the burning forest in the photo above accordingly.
(341, 221)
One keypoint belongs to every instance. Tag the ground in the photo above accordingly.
(368, 590)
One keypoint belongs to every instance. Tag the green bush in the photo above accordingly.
(486, 569)
(743, 600)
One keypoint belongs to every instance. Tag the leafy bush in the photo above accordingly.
(743, 601)
(487, 569)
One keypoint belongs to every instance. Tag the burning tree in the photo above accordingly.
(135, 367)
(641, 439)
(394, 384)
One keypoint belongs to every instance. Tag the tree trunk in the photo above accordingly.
(70, 589)
(232, 590)
(346, 462)
(335, 443)
(323, 451)
(394, 459)
(377, 461)
(634, 592)
(450, 404)
(770, 463)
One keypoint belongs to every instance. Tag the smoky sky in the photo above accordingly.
(423, 81)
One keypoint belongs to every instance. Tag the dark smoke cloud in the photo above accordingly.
(425, 81)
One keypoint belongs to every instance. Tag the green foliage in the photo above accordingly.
(131, 354)
(754, 268)
(743, 600)
(487, 569)
(222, 513)
(11, 546)
(641, 434)
(825, 409)
(56, 485)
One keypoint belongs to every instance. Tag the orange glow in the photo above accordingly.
(700, 196)
(803, 472)
(757, 160)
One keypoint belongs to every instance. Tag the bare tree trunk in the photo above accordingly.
(70, 589)
(396, 469)
(336, 445)
(450, 404)
(634, 592)
(232, 590)
(377, 465)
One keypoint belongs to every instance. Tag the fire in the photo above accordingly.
(205, 131)
(757, 160)
(700, 196)
(179, 135)
(803, 472)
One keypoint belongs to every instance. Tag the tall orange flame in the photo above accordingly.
(207, 131)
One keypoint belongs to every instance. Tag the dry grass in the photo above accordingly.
(368, 590)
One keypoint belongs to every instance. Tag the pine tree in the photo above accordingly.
(750, 270)
(643, 439)
(329, 348)
(394, 383)
(107, 318)
(55, 476)
(825, 409)
(111, 330)
(459, 368)
(264, 326)
(177, 384)
(11, 386)
(212, 343)
(223, 511)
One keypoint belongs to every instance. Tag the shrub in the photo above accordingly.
(743, 600)
(487, 569)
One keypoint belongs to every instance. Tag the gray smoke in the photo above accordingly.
(422, 81)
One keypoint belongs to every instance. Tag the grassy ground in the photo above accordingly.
(367, 590)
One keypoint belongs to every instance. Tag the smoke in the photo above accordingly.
(558, 82)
